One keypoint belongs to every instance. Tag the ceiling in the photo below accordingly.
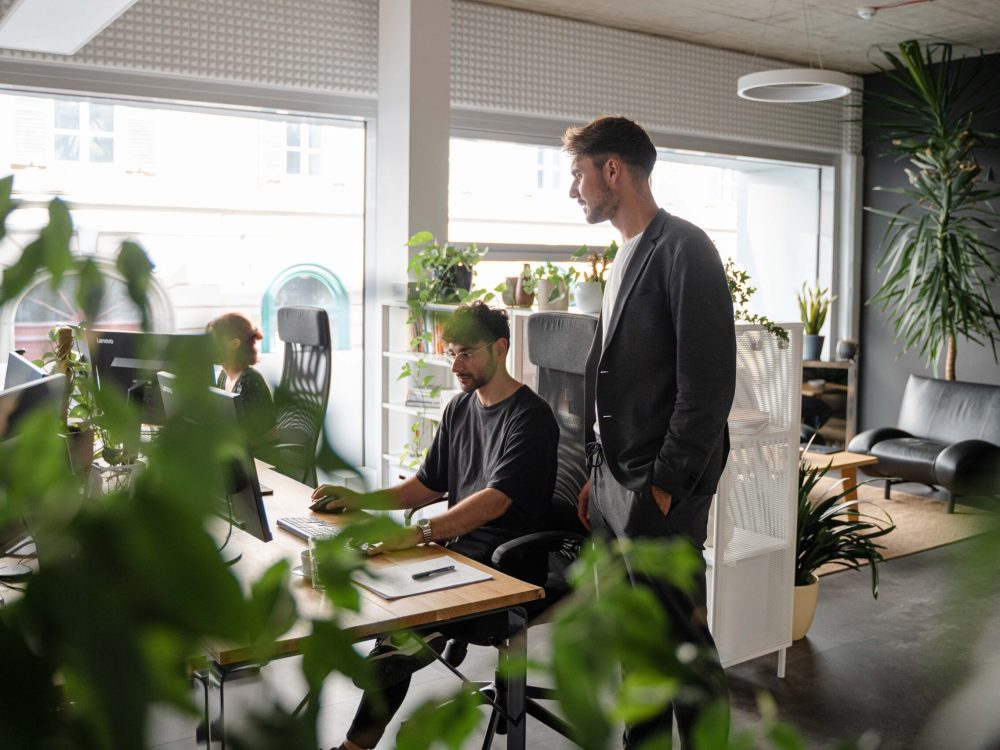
(776, 28)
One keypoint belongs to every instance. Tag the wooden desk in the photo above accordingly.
(847, 464)
(376, 615)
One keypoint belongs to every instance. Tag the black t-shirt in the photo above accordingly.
(511, 447)
(257, 406)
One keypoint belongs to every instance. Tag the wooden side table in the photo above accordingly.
(847, 464)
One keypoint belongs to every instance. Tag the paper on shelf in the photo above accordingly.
(396, 581)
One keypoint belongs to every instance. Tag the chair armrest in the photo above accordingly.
(864, 442)
(408, 513)
(536, 539)
(969, 467)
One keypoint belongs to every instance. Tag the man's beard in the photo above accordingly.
(605, 208)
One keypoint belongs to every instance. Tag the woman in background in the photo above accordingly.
(236, 351)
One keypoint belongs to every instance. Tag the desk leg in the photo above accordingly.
(213, 731)
(516, 687)
(850, 475)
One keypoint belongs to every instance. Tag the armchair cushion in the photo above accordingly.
(969, 467)
(908, 457)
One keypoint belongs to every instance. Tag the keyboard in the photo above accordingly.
(308, 527)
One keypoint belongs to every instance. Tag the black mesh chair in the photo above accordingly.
(302, 395)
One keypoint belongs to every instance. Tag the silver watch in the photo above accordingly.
(424, 524)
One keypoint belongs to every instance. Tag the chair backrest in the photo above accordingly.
(558, 344)
(950, 411)
(304, 390)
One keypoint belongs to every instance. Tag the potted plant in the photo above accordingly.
(940, 265)
(443, 271)
(825, 535)
(527, 283)
(553, 286)
(78, 408)
(814, 304)
(590, 292)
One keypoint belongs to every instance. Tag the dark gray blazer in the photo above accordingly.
(664, 379)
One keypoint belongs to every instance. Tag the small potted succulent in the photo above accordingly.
(814, 304)
(589, 293)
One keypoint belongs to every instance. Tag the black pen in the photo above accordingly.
(428, 573)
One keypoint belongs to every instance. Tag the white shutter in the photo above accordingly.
(135, 137)
(271, 161)
(32, 131)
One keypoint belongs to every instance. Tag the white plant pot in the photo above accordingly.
(589, 296)
(804, 608)
(545, 289)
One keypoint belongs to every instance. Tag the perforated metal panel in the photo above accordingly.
(514, 61)
(753, 541)
(324, 45)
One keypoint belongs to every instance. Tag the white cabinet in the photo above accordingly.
(751, 546)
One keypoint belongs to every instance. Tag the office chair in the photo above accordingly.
(302, 395)
(558, 344)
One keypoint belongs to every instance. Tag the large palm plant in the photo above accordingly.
(937, 252)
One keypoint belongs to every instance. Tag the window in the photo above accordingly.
(206, 193)
(773, 218)
(83, 131)
(304, 144)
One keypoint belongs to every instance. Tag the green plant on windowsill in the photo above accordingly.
(814, 304)
(599, 260)
(558, 281)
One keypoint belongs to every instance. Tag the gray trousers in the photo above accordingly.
(617, 512)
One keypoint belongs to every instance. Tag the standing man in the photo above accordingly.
(661, 376)
(495, 455)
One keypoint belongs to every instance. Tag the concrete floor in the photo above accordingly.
(876, 670)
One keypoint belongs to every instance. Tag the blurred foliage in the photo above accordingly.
(130, 586)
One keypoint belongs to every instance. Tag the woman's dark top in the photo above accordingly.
(256, 403)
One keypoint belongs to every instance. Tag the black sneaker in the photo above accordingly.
(398, 656)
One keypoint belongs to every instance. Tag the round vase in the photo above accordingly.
(546, 289)
(812, 347)
(521, 297)
(804, 608)
(589, 296)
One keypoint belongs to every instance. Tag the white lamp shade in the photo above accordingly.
(794, 85)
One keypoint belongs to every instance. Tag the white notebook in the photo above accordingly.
(396, 581)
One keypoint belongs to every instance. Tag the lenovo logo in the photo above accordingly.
(105, 341)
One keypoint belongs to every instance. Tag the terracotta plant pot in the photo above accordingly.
(521, 297)
(804, 608)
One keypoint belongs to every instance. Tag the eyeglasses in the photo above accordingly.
(467, 355)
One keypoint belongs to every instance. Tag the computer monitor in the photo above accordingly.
(244, 503)
(17, 403)
(128, 361)
(21, 370)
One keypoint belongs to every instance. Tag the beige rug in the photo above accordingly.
(921, 523)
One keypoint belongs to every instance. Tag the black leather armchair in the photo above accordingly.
(947, 434)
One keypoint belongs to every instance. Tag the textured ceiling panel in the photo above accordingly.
(324, 45)
(524, 63)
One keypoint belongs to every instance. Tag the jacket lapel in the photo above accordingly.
(631, 272)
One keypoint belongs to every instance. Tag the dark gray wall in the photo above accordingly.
(883, 369)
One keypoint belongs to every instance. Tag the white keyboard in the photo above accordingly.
(308, 527)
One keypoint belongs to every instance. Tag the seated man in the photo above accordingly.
(495, 455)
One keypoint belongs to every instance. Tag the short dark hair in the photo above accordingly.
(470, 324)
(612, 135)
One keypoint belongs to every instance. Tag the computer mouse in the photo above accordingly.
(323, 505)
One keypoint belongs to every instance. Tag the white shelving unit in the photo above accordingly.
(751, 552)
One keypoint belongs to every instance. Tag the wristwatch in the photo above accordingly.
(424, 524)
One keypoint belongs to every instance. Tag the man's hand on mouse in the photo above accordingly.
(336, 499)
